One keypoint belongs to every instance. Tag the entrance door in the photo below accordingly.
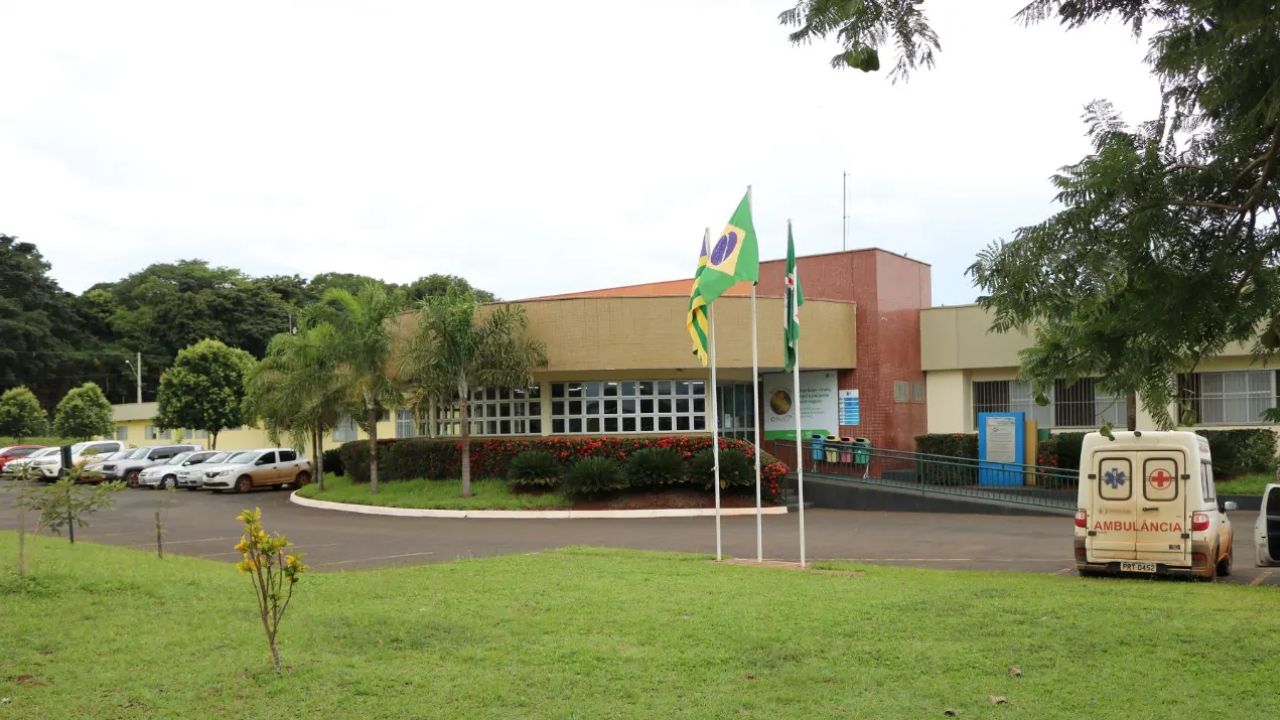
(1162, 531)
(1112, 527)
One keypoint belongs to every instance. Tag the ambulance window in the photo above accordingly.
(1206, 482)
(1115, 479)
(1160, 479)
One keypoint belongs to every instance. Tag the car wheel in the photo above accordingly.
(131, 478)
(244, 484)
(1224, 565)
(168, 482)
(303, 478)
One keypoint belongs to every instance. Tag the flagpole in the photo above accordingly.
(715, 427)
(755, 412)
(795, 403)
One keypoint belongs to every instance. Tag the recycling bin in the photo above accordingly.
(861, 451)
(846, 450)
(816, 443)
(833, 448)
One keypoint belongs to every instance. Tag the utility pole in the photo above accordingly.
(137, 370)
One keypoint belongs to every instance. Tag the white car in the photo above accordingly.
(164, 474)
(14, 468)
(191, 474)
(264, 467)
(1266, 530)
(82, 453)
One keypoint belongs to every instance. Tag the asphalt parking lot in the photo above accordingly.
(203, 524)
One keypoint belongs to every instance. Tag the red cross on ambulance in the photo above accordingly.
(1160, 478)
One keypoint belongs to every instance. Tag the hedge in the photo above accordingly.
(959, 445)
(1236, 452)
(333, 461)
(441, 458)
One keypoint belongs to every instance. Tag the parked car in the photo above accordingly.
(13, 452)
(1147, 505)
(50, 466)
(93, 473)
(1266, 530)
(164, 474)
(191, 474)
(265, 467)
(132, 466)
(15, 467)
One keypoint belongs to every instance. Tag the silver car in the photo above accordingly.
(130, 468)
(191, 474)
(164, 474)
(265, 467)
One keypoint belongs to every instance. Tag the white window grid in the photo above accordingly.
(1236, 397)
(345, 429)
(494, 411)
(405, 426)
(607, 407)
(989, 396)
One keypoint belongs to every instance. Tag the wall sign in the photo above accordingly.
(850, 408)
(818, 405)
(1001, 445)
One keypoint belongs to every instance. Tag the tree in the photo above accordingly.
(205, 389)
(457, 348)
(21, 416)
(353, 333)
(295, 390)
(83, 413)
(1168, 246)
(437, 285)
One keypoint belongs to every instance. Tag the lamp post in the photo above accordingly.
(137, 370)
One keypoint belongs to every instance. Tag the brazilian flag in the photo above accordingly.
(734, 257)
(696, 320)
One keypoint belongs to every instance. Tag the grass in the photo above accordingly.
(47, 441)
(1245, 484)
(582, 633)
(440, 494)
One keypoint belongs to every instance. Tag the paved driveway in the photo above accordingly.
(203, 524)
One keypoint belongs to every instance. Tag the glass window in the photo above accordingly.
(496, 411)
(735, 406)
(288, 455)
(630, 406)
(122, 433)
(1079, 404)
(155, 433)
(406, 427)
(345, 429)
(1228, 398)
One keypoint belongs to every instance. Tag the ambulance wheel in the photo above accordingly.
(1224, 565)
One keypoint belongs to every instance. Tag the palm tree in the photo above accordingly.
(294, 390)
(458, 348)
(354, 337)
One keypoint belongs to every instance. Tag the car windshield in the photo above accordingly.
(44, 452)
(242, 458)
(136, 453)
(217, 458)
(177, 459)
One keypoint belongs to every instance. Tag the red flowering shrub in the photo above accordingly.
(441, 458)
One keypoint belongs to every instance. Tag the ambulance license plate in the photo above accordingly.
(1138, 567)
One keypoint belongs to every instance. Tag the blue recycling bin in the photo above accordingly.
(816, 447)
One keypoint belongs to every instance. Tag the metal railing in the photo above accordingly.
(1015, 483)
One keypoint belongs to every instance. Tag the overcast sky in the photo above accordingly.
(533, 148)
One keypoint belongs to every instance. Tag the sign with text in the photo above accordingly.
(818, 405)
(1001, 440)
(850, 408)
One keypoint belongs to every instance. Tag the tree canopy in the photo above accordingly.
(205, 389)
(21, 416)
(1167, 246)
(83, 413)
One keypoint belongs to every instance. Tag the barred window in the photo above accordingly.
(345, 429)
(1078, 404)
(405, 427)
(628, 406)
(495, 411)
(737, 411)
(1227, 398)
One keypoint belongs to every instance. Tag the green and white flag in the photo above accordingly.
(795, 298)
(734, 257)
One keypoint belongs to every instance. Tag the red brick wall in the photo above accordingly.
(889, 291)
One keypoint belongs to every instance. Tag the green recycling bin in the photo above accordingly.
(861, 451)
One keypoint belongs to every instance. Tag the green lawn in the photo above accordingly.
(1245, 484)
(440, 494)
(584, 633)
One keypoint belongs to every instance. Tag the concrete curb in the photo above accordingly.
(297, 499)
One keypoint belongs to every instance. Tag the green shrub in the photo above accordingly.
(592, 477)
(333, 461)
(656, 466)
(534, 469)
(736, 469)
(1236, 452)
(960, 445)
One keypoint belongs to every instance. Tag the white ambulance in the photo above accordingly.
(1266, 531)
(1147, 506)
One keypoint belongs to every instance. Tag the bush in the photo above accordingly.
(1067, 448)
(534, 469)
(960, 445)
(593, 476)
(656, 466)
(736, 469)
(1236, 452)
(333, 461)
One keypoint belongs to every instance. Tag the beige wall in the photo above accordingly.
(648, 334)
(949, 401)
